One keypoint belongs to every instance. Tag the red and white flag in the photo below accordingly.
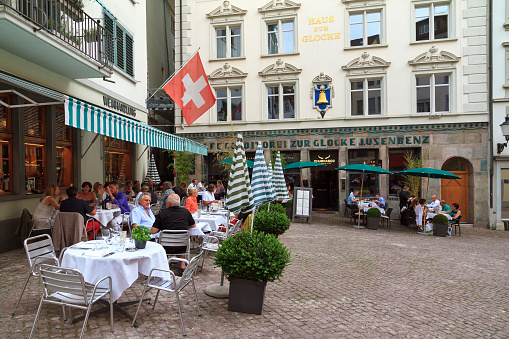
(190, 90)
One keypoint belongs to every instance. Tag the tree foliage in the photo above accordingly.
(412, 160)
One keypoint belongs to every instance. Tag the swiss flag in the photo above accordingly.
(190, 90)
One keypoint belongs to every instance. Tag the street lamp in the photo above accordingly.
(505, 132)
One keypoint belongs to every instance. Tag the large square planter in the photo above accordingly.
(372, 223)
(440, 230)
(246, 296)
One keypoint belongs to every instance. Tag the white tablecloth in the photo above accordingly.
(366, 206)
(104, 216)
(214, 220)
(431, 215)
(122, 267)
(131, 206)
(200, 228)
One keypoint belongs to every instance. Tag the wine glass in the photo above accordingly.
(106, 235)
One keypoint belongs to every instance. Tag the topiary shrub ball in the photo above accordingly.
(440, 219)
(273, 208)
(373, 212)
(272, 222)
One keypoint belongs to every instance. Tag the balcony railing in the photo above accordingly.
(65, 20)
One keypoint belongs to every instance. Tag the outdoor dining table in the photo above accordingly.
(104, 216)
(122, 266)
(214, 220)
(365, 206)
(430, 215)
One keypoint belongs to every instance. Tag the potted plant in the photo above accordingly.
(249, 261)
(141, 235)
(273, 221)
(273, 207)
(373, 218)
(440, 225)
(289, 209)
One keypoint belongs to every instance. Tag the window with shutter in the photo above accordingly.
(109, 46)
(129, 55)
(120, 47)
(121, 53)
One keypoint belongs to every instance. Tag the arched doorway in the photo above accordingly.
(457, 190)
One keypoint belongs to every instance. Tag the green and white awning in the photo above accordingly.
(90, 118)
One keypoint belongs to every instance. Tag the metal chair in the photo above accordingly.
(234, 227)
(209, 244)
(36, 226)
(175, 239)
(457, 225)
(387, 217)
(39, 249)
(174, 285)
(66, 287)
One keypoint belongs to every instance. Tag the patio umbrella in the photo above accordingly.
(152, 171)
(250, 164)
(261, 184)
(364, 169)
(278, 179)
(239, 196)
(429, 173)
(269, 169)
(302, 164)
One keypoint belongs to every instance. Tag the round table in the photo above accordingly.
(122, 267)
(105, 216)
(214, 221)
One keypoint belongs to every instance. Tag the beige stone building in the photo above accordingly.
(344, 82)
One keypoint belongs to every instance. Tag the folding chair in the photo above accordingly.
(173, 285)
(39, 250)
(209, 244)
(387, 217)
(66, 287)
(457, 225)
(175, 239)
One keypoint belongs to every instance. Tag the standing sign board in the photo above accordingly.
(302, 203)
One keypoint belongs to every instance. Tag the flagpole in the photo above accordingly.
(171, 76)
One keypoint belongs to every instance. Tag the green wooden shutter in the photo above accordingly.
(129, 67)
(109, 46)
(120, 48)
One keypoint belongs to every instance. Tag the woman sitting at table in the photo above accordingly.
(142, 215)
(87, 194)
(420, 214)
(455, 214)
(98, 191)
(219, 193)
(167, 191)
(191, 203)
(208, 195)
(47, 205)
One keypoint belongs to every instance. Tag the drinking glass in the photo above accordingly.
(106, 235)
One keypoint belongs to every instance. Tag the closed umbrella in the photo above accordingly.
(364, 169)
(250, 164)
(302, 164)
(278, 179)
(261, 184)
(269, 169)
(239, 197)
(152, 171)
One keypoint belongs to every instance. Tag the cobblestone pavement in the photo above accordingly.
(342, 283)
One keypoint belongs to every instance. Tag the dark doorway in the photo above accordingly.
(324, 180)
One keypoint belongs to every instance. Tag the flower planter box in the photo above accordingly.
(246, 296)
(440, 230)
(372, 223)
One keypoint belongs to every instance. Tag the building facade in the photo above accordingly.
(347, 82)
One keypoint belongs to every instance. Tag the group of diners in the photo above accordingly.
(410, 205)
(354, 201)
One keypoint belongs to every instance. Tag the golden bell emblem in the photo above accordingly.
(322, 99)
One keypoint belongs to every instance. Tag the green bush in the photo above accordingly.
(440, 219)
(373, 212)
(272, 222)
(289, 203)
(253, 256)
(273, 207)
(141, 233)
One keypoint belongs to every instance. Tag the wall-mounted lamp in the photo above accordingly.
(505, 132)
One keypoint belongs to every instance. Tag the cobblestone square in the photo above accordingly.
(342, 283)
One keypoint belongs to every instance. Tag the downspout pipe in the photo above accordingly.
(490, 94)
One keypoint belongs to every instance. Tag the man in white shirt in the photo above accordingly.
(435, 203)
(208, 195)
(192, 184)
(201, 186)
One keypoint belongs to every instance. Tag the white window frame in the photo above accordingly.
(279, 21)
(228, 103)
(213, 47)
(451, 29)
(432, 92)
(364, 10)
(281, 101)
(383, 95)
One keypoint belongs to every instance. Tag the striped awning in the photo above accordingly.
(90, 118)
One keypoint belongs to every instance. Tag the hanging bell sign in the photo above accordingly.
(322, 98)
(322, 93)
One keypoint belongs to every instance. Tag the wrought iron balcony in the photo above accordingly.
(82, 43)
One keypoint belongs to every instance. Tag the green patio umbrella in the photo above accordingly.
(239, 197)
(302, 164)
(261, 184)
(429, 173)
(364, 169)
(278, 179)
(250, 164)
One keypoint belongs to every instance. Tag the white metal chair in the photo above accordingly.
(66, 287)
(174, 285)
(209, 244)
(41, 226)
(39, 249)
(175, 239)
(231, 230)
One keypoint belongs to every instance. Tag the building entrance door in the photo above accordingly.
(325, 190)
(456, 190)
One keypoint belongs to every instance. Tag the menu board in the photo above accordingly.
(303, 202)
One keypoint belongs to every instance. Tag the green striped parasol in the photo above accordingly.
(239, 197)
(261, 184)
(278, 179)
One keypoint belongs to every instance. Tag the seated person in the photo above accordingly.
(191, 203)
(142, 215)
(87, 194)
(174, 218)
(73, 204)
(379, 201)
(145, 188)
(445, 208)
(135, 191)
(117, 197)
(353, 201)
(420, 214)
(208, 195)
(455, 213)
(434, 204)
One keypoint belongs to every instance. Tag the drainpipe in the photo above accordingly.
(181, 50)
(166, 40)
(490, 94)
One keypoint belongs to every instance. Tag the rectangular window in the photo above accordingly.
(273, 102)
(280, 37)
(228, 42)
(122, 52)
(366, 97)
(35, 146)
(117, 160)
(432, 93)
(5, 146)
(370, 183)
(365, 28)
(281, 98)
(64, 163)
(229, 104)
(432, 22)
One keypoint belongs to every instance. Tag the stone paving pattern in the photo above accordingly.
(342, 283)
